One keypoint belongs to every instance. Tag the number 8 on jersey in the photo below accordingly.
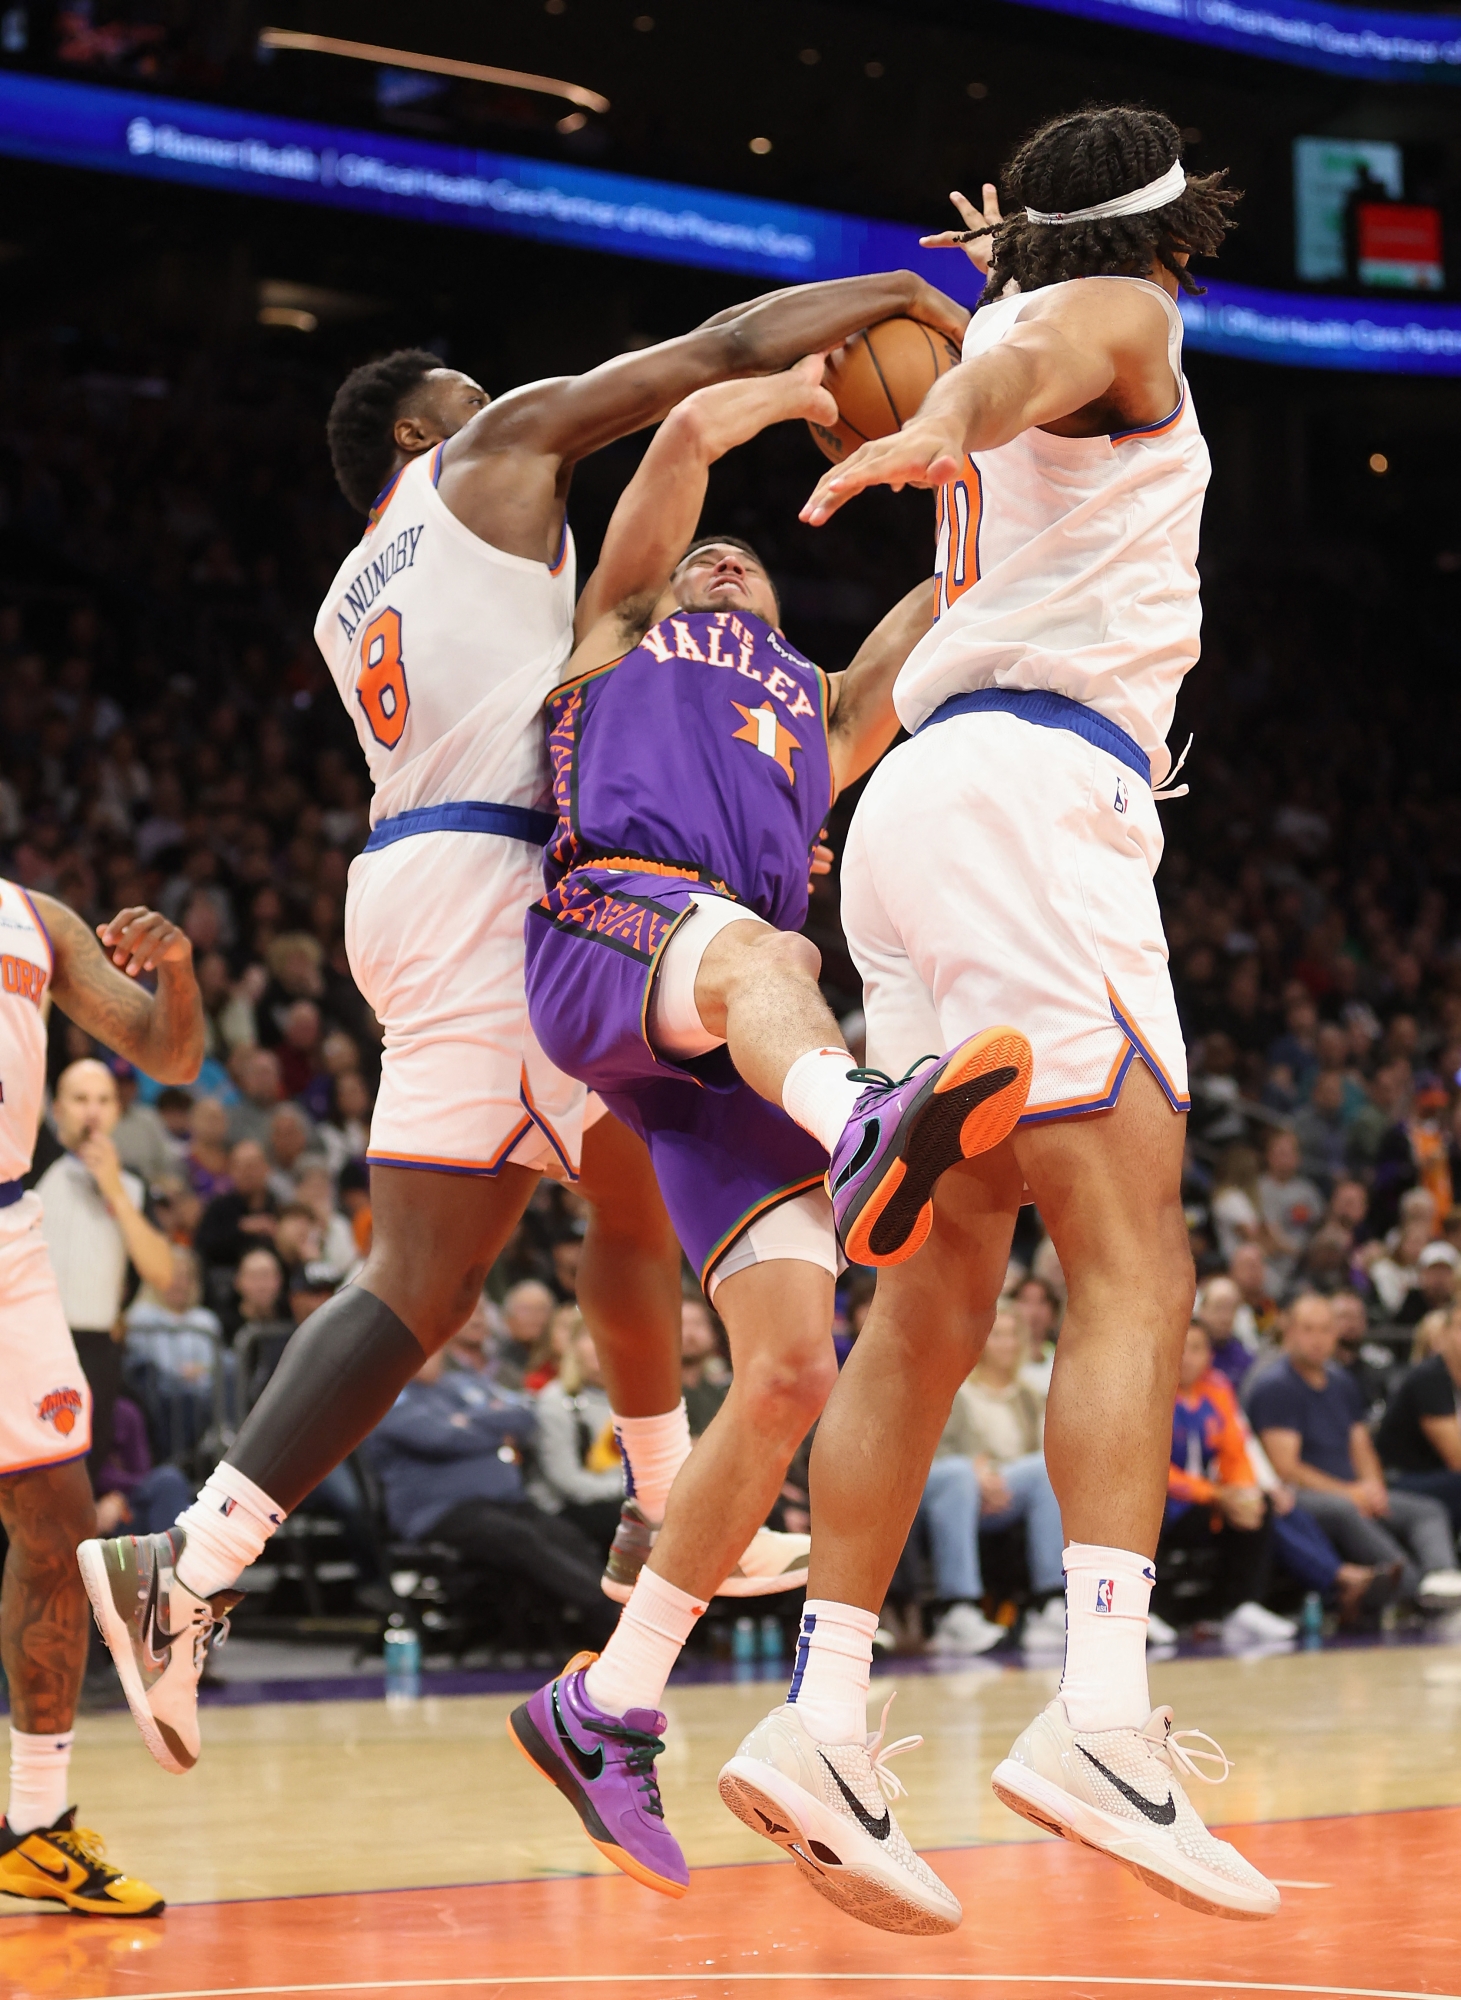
(382, 685)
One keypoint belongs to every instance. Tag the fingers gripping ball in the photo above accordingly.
(879, 379)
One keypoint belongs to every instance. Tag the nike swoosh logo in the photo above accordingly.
(1158, 1815)
(155, 1636)
(589, 1764)
(61, 1874)
(878, 1828)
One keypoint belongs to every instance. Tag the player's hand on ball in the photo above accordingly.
(923, 453)
(140, 940)
(980, 248)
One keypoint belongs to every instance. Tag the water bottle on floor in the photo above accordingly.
(403, 1664)
(1311, 1622)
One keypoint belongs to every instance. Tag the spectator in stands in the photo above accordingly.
(260, 1305)
(171, 1348)
(470, 1347)
(1220, 1310)
(997, 1426)
(704, 1378)
(299, 1047)
(345, 1132)
(143, 1141)
(297, 1237)
(1321, 1130)
(256, 1072)
(1214, 1498)
(1434, 1288)
(1037, 1304)
(206, 1162)
(522, 1340)
(131, 1491)
(1395, 1271)
(246, 1216)
(1419, 1439)
(1236, 1216)
(1249, 1272)
(564, 1257)
(314, 1189)
(1365, 1361)
(580, 1472)
(1290, 1206)
(449, 1456)
(96, 1232)
(1310, 1418)
(289, 1138)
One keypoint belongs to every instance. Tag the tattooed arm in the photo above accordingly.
(161, 1032)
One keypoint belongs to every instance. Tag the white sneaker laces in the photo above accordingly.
(892, 1785)
(1185, 1762)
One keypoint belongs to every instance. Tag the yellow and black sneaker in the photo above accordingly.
(63, 1864)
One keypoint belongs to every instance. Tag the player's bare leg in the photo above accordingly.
(160, 1599)
(47, 1513)
(890, 1139)
(629, 1273)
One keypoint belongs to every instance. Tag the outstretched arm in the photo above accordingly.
(1064, 354)
(862, 723)
(504, 475)
(659, 509)
(161, 1032)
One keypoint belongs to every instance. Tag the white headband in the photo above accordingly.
(1156, 194)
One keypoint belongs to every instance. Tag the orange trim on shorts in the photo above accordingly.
(44, 1464)
(430, 1164)
(754, 1214)
(1122, 1016)
(535, 1117)
(1074, 1107)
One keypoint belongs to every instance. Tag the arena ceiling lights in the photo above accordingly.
(246, 152)
(513, 79)
(1346, 41)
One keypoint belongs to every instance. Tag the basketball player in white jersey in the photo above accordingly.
(445, 632)
(47, 953)
(1000, 865)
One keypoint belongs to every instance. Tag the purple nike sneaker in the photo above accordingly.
(604, 1767)
(902, 1136)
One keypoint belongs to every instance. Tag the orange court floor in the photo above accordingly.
(344, 1848)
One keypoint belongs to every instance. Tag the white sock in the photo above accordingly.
(1107, 1594)
(632, 1669)
(818, 1095)
(654, 1449)
(834, 1660)
(227, 1527)
(38, 1771)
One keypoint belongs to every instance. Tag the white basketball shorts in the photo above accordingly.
(997, 871)
(45, 1405)
(434, 933)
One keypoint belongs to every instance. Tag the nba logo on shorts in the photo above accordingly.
(1120, 800)
(1105, 1593)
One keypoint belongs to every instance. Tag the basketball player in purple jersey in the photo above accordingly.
(445, 630)
(695, 754)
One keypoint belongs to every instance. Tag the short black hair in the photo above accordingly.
(362, 420)
(1091, 156)
(731, 542)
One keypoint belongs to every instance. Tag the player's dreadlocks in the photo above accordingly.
(362, 419)
(1092, 156)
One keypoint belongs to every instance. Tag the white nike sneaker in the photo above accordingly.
(826, 1805)
(158, 1634)
(1116, 1790)
(1044, 1630)
(1440, 1590)
(772, 1561)
(964, 1630)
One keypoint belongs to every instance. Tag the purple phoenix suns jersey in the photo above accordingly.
(703, 752)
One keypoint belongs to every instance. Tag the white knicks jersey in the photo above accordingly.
(26, 965)
(1070, 564)
(443, 649)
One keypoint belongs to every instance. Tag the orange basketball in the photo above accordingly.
(879, 379)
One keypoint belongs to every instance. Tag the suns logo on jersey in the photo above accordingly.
(763, 727)
(60, 1408)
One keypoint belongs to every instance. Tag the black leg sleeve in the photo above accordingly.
(340, 1373)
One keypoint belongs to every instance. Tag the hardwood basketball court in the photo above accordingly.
(348, 1847)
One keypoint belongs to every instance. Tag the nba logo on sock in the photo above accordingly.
(1105, 1593)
